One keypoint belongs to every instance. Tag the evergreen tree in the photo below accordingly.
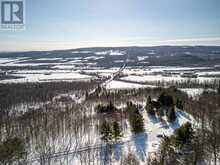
(172, 149)
(219, 88)
(171, 115)
(165, 99)
(86, 94)
(167, 152)
(100, 108)
(105, 108)
(116, 131)
(184, 134)
(138, 123)
(149, 106)
(110, 106)
(106, 132)
(148, 100)
(135, 119)
(179, 104)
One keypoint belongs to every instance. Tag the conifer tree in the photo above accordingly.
(116, 131)
(184, 134)
(179, 104)
(106, 132)
(149, 106)
(171, 115)
(135, 119)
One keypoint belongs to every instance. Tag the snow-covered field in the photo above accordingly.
(124, 85)
(111, 53)
(154, 78)
(194, 92)
(5, 61)
(47, 76)
(120, 85)
(89, 65)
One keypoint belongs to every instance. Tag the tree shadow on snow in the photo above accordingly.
(153, 119)
(107, 151)
(105, 154)
(117, 151)
(174, 125)
(139, 142)
(184, 114)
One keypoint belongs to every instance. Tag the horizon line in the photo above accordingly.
(28, 46)
(93, 47)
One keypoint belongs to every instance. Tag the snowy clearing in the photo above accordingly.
(124, 85)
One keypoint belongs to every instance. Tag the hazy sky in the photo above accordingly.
(59, 24)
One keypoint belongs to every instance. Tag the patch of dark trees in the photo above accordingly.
(101, 108)
(16, 93)
(165, 104)
(135, 118)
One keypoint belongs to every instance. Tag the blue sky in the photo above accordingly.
(61, 24)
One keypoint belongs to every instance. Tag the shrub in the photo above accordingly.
(184, 134)
(130, 159)
(100, 108)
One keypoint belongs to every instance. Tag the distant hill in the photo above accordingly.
(157, 55)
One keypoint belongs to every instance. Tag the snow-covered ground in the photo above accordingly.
(42, 77)
(124, 85)
(154, 127)
(89, 64)
(82, 52)
(45, 71)
(111, 53)
(154, 78)
(194, 92)
(142, 144)
(141, 58)
(177, 68)
(6, 60)
(209, 73)
(94, 57)
(66, 67)
(102, 72)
